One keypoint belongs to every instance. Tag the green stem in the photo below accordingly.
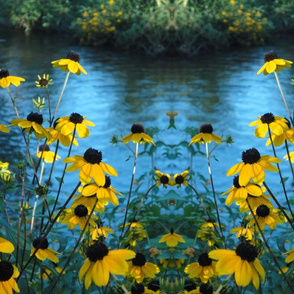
(131, 186)
(13, 102)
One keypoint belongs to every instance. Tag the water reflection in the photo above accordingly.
(121, 89)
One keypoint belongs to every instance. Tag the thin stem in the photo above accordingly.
(131, 186)
(13, 102)
(268, 247)
(59, 99)
(49, 105)
(284, 99)
(223, 284)
(213, 190)
(289, 159)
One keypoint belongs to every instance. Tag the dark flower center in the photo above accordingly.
(164, 179)
(36, 117)
(43, 82)
(93, 156)
(271, 55)
(138, 289)
(107, 182)
(97, 251)
(41, 243)
(73, 56)
(81, 211)
(44, 147)
(206, 128)
(206, 289)
(172, 230)
(179, 179)
(262, 210)
(137, 129)
(204, 260)
(267, 118)
(76, 118)
(236, 182)
(154, 285)
(246, 251)
(250, 156)
(4, 73)
(139, 260)
(190, 285)
(6, 271)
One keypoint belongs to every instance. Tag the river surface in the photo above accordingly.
(125, 88)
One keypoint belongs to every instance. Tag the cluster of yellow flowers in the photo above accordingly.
(101, 21)
(243, 21)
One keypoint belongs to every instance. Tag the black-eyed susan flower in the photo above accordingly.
(242, 262)
(43, 82)
(33, 123)
(43, 251)
(6, 246)
(254, 202)
(90, 166)
(88, 201)
(244, 231)
(135, 233)
(8, 273)
(171, 262)
(104, 193)
(55, 135)
(101, 262)
(172, 239)
(70, 63)
(139, 268)
(4, 129)
(203, 269)
(46, 154)
(67, 124)
(239, 193)
(100, 231)
(137, 135)
(276, 124)
(253, 167)
(6, 79)
(290, 256)
(273, 63)
(162, 179)
(204, 288)
(180, 179)
(5, 173)
(206, 135)
(78, 216)
(265, 215)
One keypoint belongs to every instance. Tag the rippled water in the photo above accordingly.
(121, 89)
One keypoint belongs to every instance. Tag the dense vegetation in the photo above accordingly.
(155, 25)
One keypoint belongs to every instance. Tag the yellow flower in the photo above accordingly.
(98, 231)
(5, 174)
(276, 124)
(289, 258)
(172, 115)
(254, 202)
(78, 216)
(278, 140)
(206, 135)
(8, 273)
(6, 246)
(32, 123)
(272, 63)
(90, 166)
(70, 63)
(180, 179)
(242, 262)
(162, 178)
(172, 262)
(88, 201)
(203, 269)
(137, 135)
(104, 193)
(6, 79)
(75, 121)
(140, 269)
(44, 252)
(43, 82)
(4, 129)
(171, 239)
(101, 262)
(265, 215)
(243, 231)
(253, 166)
(239, 193)
(46, 154)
